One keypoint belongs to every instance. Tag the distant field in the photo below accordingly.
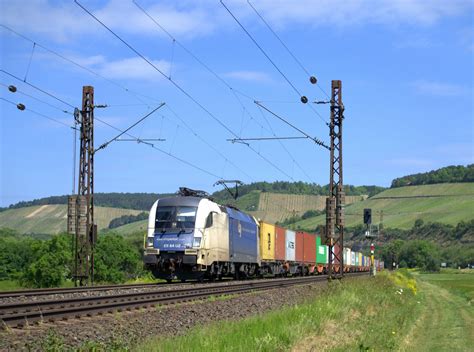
(447, 203)
(274, 207)
(137, 226)
(455, 281)
(52, 218)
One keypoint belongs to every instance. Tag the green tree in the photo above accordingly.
(51, 263)
(116, 260)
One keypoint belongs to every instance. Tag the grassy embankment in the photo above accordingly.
(447, 203)
(376, 315)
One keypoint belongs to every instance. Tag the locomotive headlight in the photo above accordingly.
(149, 241)
(197, 242)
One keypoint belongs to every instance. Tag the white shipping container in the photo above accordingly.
(290, 245)
(353, 258)
(347, 256)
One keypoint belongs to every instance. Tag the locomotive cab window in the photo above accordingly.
(210, 219)
(168, 217)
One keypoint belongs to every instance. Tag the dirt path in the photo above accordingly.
(447, 323)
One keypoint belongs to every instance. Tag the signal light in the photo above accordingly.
(367, 216)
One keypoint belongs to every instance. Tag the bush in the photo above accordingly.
(115, 260)
(51, 263)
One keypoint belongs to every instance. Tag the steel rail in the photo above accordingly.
(53, 291)
(26, 313)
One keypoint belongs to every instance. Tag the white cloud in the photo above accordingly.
(345, 13)
(59, 21)
(188, 19)
(134, 68)
(253, 76)
(439, 88)
(63, 21)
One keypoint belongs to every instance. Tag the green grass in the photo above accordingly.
(13, 285)
(9, 285)
(455, 281)
(51, 219)
(133, 227)
(454, 205)
(374, 316)
(447, 318)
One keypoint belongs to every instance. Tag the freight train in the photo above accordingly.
(193, 237)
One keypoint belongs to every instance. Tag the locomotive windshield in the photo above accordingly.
(175, 217)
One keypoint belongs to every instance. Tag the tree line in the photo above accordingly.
(425, 245)
(144, 201)
(49, 262)
(127, 219)
(449, 174)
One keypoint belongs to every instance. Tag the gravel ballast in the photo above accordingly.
(129, 328)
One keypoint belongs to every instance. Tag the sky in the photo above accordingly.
(407, 85)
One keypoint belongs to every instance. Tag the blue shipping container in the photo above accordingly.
(243, 237)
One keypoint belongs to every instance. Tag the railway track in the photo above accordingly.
(53, 291)
(20, 314)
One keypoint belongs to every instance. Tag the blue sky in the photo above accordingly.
(406, 69)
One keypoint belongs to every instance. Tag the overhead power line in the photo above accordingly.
(285, 46)
(129, 128)
(182, 90)
(107, 124)
(194, 133)
(38, 113)
(37, 99)
(38, 89)
(232, 89)
(162, 151)
(261, 49)
(314, 139)
(65, 58)
(302, 97)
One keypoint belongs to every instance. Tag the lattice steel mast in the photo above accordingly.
(335, 201)
(85, 234)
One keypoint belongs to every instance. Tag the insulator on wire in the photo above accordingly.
(304, 100)
(20, 106)
(12, 89)
(313, 80)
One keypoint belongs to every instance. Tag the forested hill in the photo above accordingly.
(449, 174)
(297, 188)
(143, 201)
(137, 201)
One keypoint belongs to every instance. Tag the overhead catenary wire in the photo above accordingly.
(219, 78)
(181, 89)
(104, 145)
(194, 133)
(271, 61)
(105, 123)
(285, 46)
(65, 58)
(286, 149)
(40, 100)
(39, 114)
(314, 139)
(162, 151)
(38, 89)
